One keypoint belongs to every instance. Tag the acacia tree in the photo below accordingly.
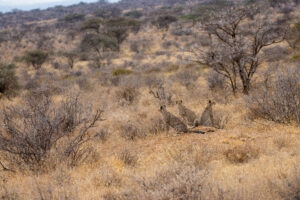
(71, 57)
(237, 36)
(100, 44)
(36, 58)
(106, 35)
(120, 27)
(92, 24)
(163, 22)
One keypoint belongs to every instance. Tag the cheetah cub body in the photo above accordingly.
(186, 114)
(173, 121)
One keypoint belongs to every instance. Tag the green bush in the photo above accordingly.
(36, 58)
(118, 72)
(99, 43)
(92, 24)
(190, 17)
(134, 14)
(8, 80)
(163, 22)
(296, 57)
(119, 27)
(73, 18)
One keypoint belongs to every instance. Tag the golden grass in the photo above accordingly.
(245, 160)
(251, 161)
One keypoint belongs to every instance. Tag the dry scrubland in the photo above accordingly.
(130, 153)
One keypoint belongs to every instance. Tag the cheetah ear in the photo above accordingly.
(209, 101)
(180, 101)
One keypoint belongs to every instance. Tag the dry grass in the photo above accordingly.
(133, 155)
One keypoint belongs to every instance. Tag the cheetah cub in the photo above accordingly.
(173, 121)
(186, 114)
(207, 118)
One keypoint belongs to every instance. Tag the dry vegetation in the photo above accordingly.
(80, 103)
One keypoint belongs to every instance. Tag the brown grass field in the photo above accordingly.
(132, 154)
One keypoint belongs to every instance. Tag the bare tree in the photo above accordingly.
(237, 35)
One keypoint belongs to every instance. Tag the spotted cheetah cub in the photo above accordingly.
(173, 121)
(186, 114)
(207, 118)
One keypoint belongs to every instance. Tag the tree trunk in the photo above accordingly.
(246, 86)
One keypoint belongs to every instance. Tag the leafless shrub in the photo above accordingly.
(44, 81)
(275, 53)
(54, 191)
(160, 53)
(157, 125)
(166, 44)
(110, 196)
(130, 131)
(216, 81)
(139, 56)
(181, 31)
(160, 93)
(289, 188)
(80, 155)
(56, 65)
(128, 158)
(110, 178)
(127, 95)
(77, 73)
(172, 68)
(134, 47)
(242, 154)
(282, 142)
(7, 193)
(134, 81)
(75, 148)
(30, 131)
(221, 119)
(186, 77)
(204, 40)
(103, 135)
(278, 99)
(140, 46)
(84, 84)
(174, 183)
(152, 80)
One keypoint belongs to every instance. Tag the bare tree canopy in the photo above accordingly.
(237, 35)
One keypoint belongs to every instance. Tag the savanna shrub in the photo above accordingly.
(279, 99)
(8, 80)
(36, 58)
(31, 130)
